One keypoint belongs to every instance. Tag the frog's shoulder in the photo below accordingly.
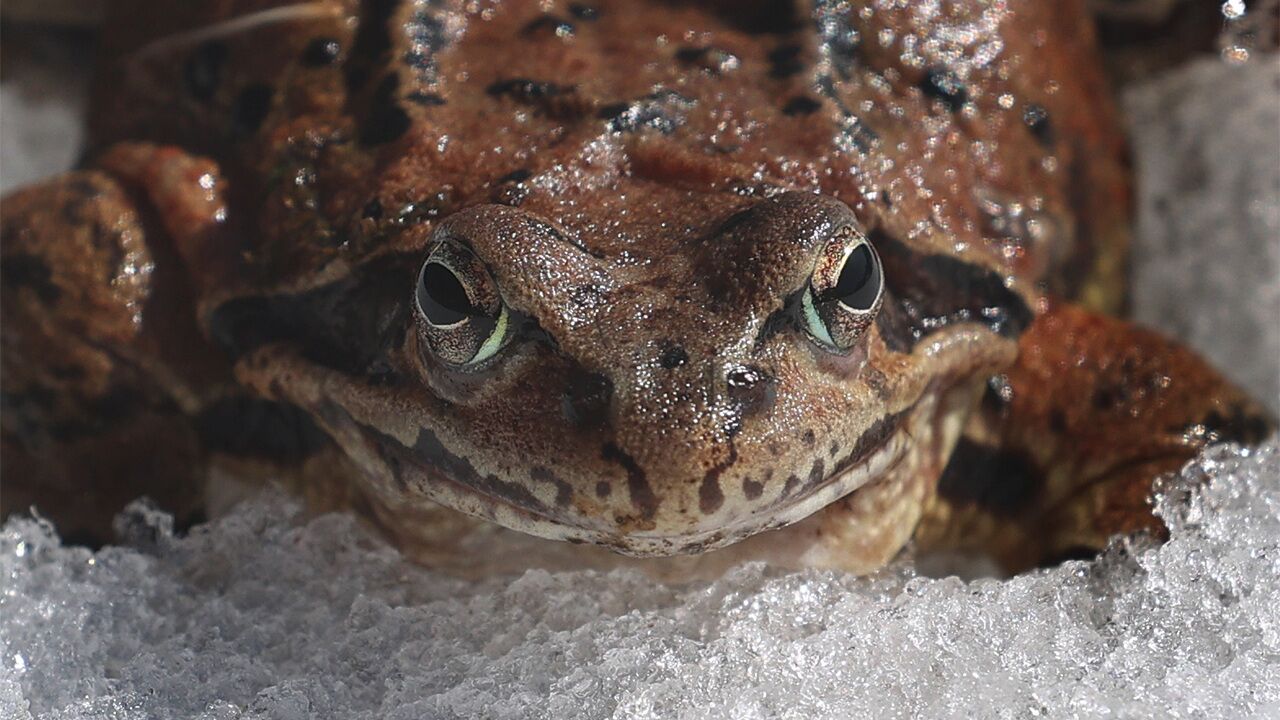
(982, 131)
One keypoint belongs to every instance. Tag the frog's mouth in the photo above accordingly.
(879, 449)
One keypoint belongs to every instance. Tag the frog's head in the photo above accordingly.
(671, 372)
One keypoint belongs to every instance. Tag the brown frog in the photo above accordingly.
(655, 276)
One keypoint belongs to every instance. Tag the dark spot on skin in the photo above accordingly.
(1239, 425)
(526, 90)
(247, 426)
(515, 176)
(926, 293)
(586, 400)
(713, 60)
(425, 99)
(835, 448)
(372, 42)
(35, 413)
(801, 105)
(872, 439)
(838, 35)
(349, 325)
(202, 72)
(603, 489)
(583, 11)
(29, 271)
(790, 485)
(1036, 118)
(710, 494)
(943, 85)
(372, 210)
(586, 296)
(67, 372)
(1108, 397)
(426, 35)
(549, 25)
(428, 452)
(510, 189)
(673, 357)
(552, 99)
(785, 61)
(1003, 482)
(809, 438)
(758, 17)
(321, 52)
(612, 110)
(251, 107)
(751, 489)
(817, 474)
(430, 457)
(564, 492)
(884, 198)
(662, 111)
(753, 390)
(691, 55)
(386, 120)
(852, 127)
(1057, 421)
(637, 483)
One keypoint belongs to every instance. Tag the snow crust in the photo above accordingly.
(1206, 143)
(265, 615)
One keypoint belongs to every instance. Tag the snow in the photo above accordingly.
(1207, 268)
(263, 614)
(266, 613)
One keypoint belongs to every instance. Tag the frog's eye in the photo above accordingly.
(460, 312)
(844, 293)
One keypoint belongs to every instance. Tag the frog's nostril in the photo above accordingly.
(753, 390)
(673, 357)
(586, 399)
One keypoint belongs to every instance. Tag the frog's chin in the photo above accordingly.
(876, 462)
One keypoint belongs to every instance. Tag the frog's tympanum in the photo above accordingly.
(805, 279)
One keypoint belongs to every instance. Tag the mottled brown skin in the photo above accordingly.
(648, 189)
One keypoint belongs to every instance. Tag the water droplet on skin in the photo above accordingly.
(1235, 55)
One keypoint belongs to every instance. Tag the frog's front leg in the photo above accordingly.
(109, 389)
(1067, 444)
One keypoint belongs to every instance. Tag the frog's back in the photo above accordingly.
(983, 132)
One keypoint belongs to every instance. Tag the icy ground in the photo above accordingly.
(265, 615)
(256, 616)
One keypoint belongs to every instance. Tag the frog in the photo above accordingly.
(668, 283)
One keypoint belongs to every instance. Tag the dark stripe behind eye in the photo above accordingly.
(928, 292)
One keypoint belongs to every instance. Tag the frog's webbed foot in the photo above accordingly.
(1066, 447)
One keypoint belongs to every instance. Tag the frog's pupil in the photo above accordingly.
(859, 283)
(443, 299)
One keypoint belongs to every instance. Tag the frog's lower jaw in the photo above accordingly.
(857, 533)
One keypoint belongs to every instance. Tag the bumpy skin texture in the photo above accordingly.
(650, 186)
